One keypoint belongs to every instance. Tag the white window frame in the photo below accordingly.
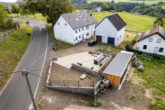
(150, 39)
(158, 40)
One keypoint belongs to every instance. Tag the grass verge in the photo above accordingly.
(11, 51)
(154, 75)
(37, 16)
(128, 38)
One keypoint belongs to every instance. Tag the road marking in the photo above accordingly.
(42, 68)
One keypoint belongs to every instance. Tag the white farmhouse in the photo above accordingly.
(74, 28)
(152, 41)
(111, 30)
(97, 9)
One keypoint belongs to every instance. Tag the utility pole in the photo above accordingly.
(25, 74)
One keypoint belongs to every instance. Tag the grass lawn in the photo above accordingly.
(154, 76)
(11, 51)
(128, 37)
(37, 16)
(148, 2)
(137, 23)
(2, 32)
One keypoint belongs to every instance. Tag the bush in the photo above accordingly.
(8, 24)
(92, 104)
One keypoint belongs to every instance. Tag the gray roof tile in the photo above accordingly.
(79, 19)
(117, 21)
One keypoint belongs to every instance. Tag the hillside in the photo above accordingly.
(132, 1)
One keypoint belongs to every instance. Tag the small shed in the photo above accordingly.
(116, 71)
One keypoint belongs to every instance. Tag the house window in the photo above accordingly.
(161, 49)
(75, 31)
(79, 37)
(76, 38)
(145, 47)
(158, 41)
(82, 28)
(150, 39)
(79, 30)
(87, 27)
(87, 34)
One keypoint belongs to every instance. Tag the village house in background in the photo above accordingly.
(97, 9)
(152, 41)
(111, 30)
(75, 27)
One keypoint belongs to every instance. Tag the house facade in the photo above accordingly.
(111, 30)
(74, 28)
(97, 9)
(152, 41)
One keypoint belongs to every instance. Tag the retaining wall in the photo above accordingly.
(84, 69)
(86, 91)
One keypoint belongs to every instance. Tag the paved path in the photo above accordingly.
(16, 96)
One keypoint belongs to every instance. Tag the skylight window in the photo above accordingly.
(77, 19)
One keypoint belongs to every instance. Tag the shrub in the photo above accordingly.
(92, 104)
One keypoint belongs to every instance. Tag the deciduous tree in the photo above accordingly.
(15, 8)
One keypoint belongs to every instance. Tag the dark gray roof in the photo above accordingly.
(117, 21)
(119, 64)
(79, 19)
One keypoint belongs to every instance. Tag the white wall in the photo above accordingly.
(84, 32)
(151, 45)
(106, 29)
(67, 34)
(120, 36)
(64, 32)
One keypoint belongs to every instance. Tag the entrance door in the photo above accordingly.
(156, 50)
(99, 38)
(111, 40)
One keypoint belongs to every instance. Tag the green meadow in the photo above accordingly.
(153, 76)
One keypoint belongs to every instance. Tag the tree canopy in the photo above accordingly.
(50, 8)
(15, 8)
(3, 13)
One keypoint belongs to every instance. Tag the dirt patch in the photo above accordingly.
(75, 107)
(134, 78)
(61, 76)
(148, 93)
(58, 100)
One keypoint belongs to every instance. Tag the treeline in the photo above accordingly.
(141, 8)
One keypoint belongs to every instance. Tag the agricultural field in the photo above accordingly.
(11, 50)
(148, 2)
(135, 23)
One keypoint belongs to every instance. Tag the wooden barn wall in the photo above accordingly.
(114, 80)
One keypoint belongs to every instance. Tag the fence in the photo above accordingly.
(6, 34)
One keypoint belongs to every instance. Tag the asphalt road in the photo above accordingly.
(16, 96)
